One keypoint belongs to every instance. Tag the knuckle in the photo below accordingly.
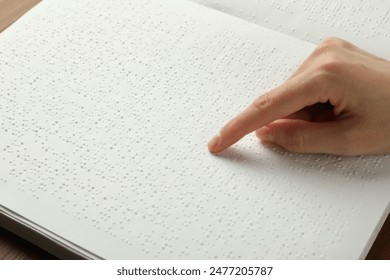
(262, 102)
(330, 69)
(332, 64)
(331, 45)
(334, 42)
(265, 100)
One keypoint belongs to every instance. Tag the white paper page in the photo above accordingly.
(106, 108)
(365, 23)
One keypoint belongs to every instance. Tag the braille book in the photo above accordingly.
(106, 108)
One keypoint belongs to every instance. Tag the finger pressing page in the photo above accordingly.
(278, 103)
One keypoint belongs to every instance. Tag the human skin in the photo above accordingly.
(336, 102)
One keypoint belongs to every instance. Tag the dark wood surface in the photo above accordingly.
(380, 250)
(13, 247)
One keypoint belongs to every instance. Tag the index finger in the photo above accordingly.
(280, 102)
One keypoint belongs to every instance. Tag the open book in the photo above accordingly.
(106, 108)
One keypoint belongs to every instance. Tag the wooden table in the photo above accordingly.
(13, 247)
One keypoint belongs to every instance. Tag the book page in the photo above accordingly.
(365, 23)
(105, 111)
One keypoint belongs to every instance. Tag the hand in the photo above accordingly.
(336, 102)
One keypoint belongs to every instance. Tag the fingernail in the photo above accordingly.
(213, 143)
(265, 134)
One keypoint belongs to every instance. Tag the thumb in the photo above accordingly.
(309, 137)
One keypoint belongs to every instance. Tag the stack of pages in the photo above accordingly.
(106, 108)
